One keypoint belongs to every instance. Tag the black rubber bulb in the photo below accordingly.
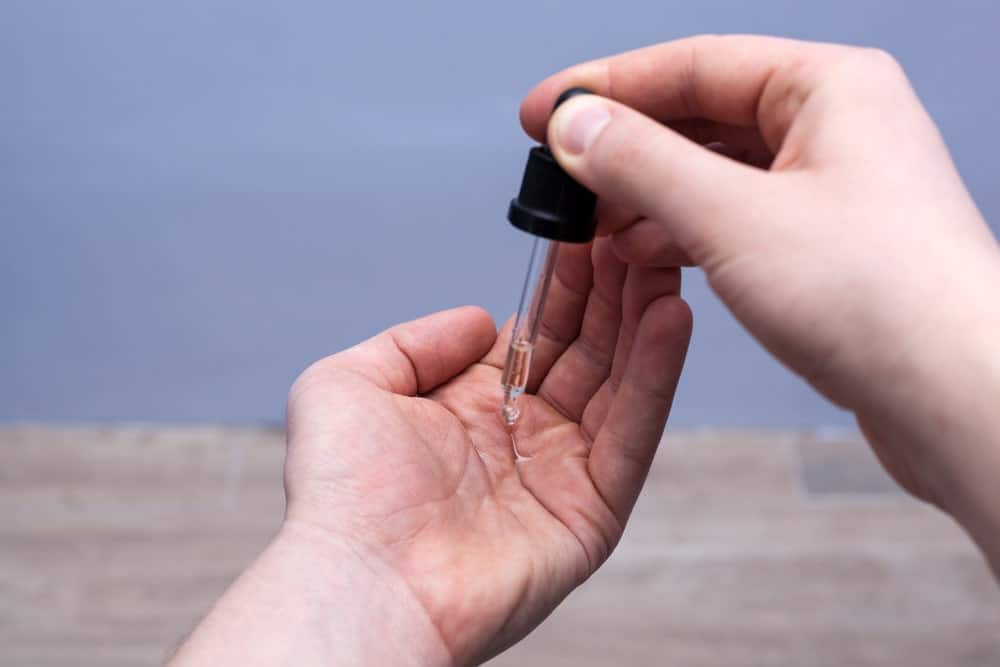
(551, 204)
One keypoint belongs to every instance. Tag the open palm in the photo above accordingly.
(397, 445)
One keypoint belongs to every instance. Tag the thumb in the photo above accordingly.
(700, 197)
(414, 357)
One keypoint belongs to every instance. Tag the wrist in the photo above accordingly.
(363, 607)
(966, 440)
(313, 598)
(940, 409)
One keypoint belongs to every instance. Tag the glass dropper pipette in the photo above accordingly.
(526, 323)
(555, 209)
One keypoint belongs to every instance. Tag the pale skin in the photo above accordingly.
(827, 216)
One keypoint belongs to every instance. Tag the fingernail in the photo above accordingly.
(587, 118)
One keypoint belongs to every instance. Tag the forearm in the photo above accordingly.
(947, 403)
(969, 426)
(311, 600)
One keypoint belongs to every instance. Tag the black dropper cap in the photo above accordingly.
(551, 204)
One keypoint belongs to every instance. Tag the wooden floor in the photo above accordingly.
(745, 549)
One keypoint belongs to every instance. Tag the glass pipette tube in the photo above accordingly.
(526, 323)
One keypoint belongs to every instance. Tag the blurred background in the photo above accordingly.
(198, 199)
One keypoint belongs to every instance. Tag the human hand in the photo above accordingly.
(841, 235)
(396, 448)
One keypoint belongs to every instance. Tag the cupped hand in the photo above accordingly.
(827, 216)
(396, 447)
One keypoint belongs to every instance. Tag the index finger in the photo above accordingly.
(720, 78)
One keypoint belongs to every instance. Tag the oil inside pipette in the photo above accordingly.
(515, 379)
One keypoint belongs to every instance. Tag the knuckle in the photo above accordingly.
(881, 59)
(303, 381)
(313, 375)
(616, 148)
(629, 150)
(874, 63)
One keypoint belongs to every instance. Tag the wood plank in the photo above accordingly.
(746, 548)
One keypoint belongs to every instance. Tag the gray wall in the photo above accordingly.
(198, 198)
